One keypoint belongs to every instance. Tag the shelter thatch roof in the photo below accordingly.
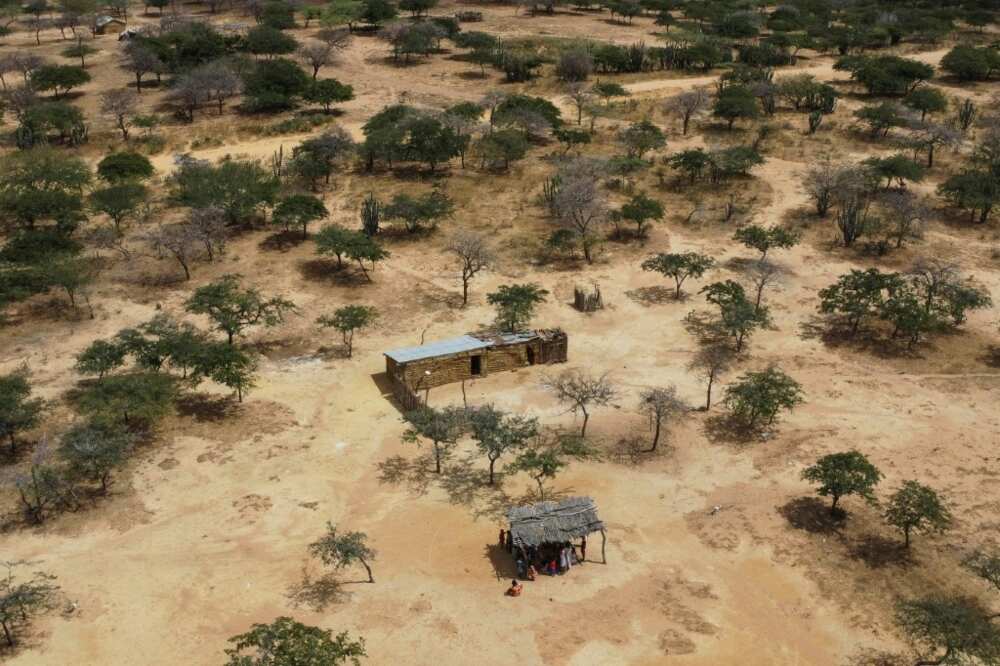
(553, 522)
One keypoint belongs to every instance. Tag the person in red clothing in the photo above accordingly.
(515, 589)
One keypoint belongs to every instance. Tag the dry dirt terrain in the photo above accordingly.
(717, 552)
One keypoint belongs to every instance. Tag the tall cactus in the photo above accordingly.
(371, 215)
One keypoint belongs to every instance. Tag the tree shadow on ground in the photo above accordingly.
(206, 408)
(992, 356)
(727, 429)
(316, 593)
(833, 336)
(657, 295)
(327, 270)
(282, 241)
(633, 451)
(416, 475)
(878, 552)
(812, 515)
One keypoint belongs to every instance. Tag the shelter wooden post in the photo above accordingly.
(604, 539)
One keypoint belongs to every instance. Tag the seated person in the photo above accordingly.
(515, 589)
(532, 572)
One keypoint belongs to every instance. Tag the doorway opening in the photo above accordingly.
(477, 365)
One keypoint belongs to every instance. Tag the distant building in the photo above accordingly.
(415, 369)
(105, 24)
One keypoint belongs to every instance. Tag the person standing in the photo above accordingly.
(583, 549)
(502, 539)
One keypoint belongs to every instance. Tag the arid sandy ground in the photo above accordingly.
(209, 534)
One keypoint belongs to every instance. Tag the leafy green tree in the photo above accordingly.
(886, 74)
(915, 507)
(497, 433)
(842, 474)
(42, 184)
(898, 167)
(639, 210)
(880, 118)
(757, 397)
(926, 100)
(348, 320)
(985, 565)
(101, 357)
(362, 248)
(267, 41)
(548, 454)
(679, 267)
(694, 163)
(133, 397)
(18, 410)
(736, 102)
(417, 8)
(607, 90)
(415, 212)
(515, 304)
(238, 188)
(974, 190)
(226, 364)
(950, 630)
(94, 451)
(119, 202)
(336, 240)
(377, 12)
(323, 154)
(24, 599)
(442, 427)
(278, 14)
(343, 12)
(764, 239)
(738, 316)
(327, 92)
(298, 210)
(858, 295)
(500, 148)
(233, 308)
(641, 137)
(60, 79)
(344, 549)
(124, 166)
(286, 642)
(79, 50)
(274, 85)
(971, 63)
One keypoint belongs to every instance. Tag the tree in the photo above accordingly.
(336, 240)
(298, 210)
(971, 63)
(274, 85)
(971, 189)
(100, 358)
(501, 147)
(639, 211)
(757, 397)
(137, 396)
(318, 157)
(120, 105)
(24, 599)
(79, 50)
(581, 97)
(896, 167)
(93, 451)
(343, 550)
(858, 295)
(688, 105)
(220, 80)
(824, 181)
(233, 309)
(764, 239)
(347, 320)
(417, 8)
(224, 364)
(285, 642)
(581, 391)
(141, 60)
(926, 100)
(881, 118)
(18, 410)
(842, 474)
(574, 65)
(119, 202)
(641, 137)
(515, 304)
(443, 427)
(711, 362)
(607, 90)
(42, 184)
(915, 507)
(327, 92)
(264, 40)
(985, 565)
(123, 167)
(738, 316)
(238, 188)
(177, 240)
(929, 137)
(949, 630)
(317, 55)
(580, 205)
(497, 433)
(679, 267)
(377, 12)
(547, 454)
(734, 103)
(904, 215)
(362, 248)
(60, 79)
(417, 211)
(660, 404)
(473, 253)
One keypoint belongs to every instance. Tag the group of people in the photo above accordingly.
(550, 558)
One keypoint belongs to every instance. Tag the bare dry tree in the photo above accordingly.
(120, 105)
(208, 225)
(581, 391)
(660, 404)
(474, 254)
(317, 55)
(687, 105)
(337, 38)
(711, 362)
(761, 275)
(906, 215)
(581, 96)
(179, 241)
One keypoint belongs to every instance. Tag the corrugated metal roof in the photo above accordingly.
(457, 345)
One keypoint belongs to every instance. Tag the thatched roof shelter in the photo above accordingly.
(553, 522)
